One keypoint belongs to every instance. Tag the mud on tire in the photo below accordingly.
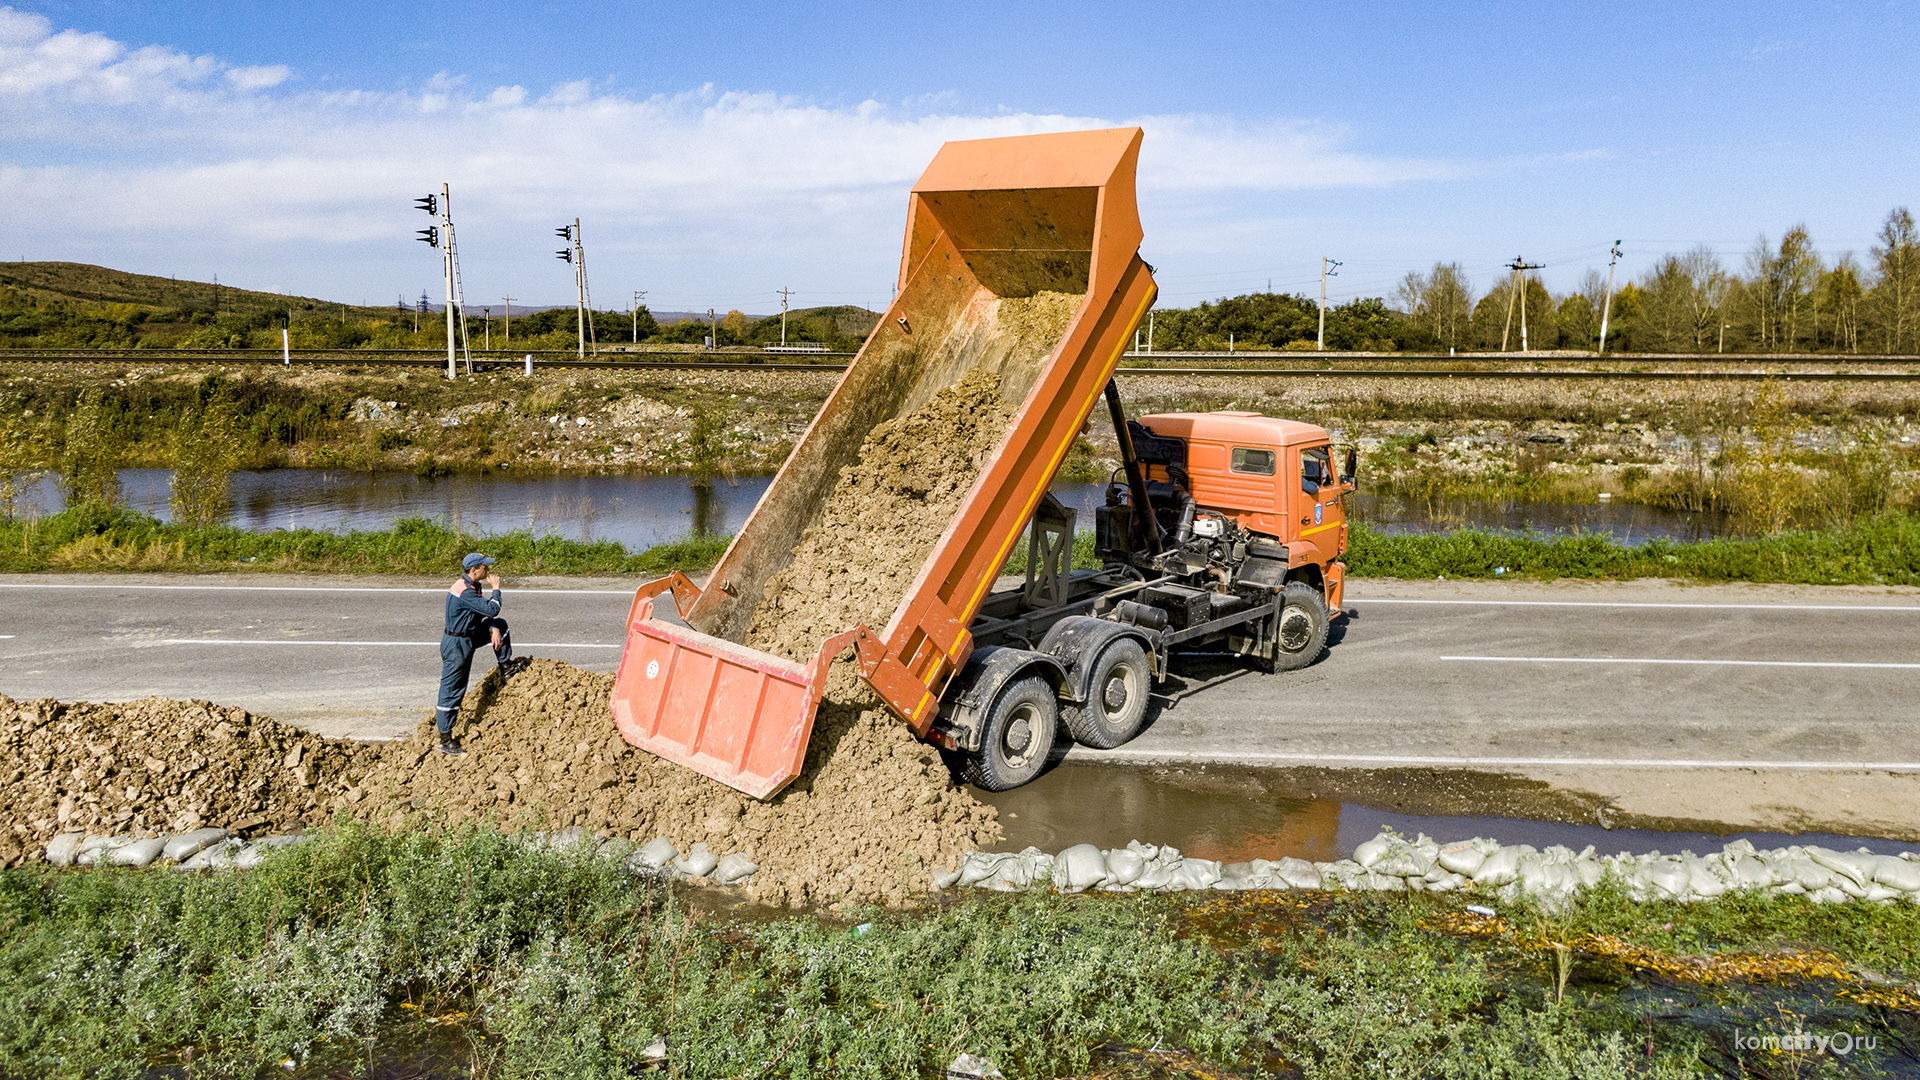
(1116, 702)
(1017, 735)
(1301, 635)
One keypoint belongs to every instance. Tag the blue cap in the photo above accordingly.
(475, 559)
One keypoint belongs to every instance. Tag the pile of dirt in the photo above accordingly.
(856, 562)
(872, 818)
(155, 766)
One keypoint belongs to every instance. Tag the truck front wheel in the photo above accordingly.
(1017, 735)
(1116, 703)
(1301, 635)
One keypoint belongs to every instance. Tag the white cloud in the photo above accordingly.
(152, 147)
(259, 78)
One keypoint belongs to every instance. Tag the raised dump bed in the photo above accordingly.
(1020, 286)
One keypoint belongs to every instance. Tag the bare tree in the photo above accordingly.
(1710, 281)
(1780, 286)
(1897, 294)
(1839, 294)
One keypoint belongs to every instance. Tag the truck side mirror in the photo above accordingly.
(1353, 467)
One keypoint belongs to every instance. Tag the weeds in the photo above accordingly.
(90, 460)
(209, 443)
(561, 964)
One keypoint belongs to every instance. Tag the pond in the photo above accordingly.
(641, 511)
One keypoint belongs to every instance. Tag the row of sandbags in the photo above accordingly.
(1391, 863)
(218, 849)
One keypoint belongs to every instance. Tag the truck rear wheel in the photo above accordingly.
(1116, 703)
(1301, 635)
(1017, 735)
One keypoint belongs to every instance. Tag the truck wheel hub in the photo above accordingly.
(1296, 629)
(1115, 696)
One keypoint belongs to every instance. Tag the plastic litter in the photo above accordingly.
(970, 1067)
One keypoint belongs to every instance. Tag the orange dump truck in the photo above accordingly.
(1207, 537)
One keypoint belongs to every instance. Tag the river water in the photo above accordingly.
(641, 511)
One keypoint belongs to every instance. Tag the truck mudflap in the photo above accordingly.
(733, 714)
(1336, 585)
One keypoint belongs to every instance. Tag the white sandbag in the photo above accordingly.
(1748, 872)
(1881, 894)
(569, 838)
(1702, 881)
(734, 869)
(1022, 871)
(1446, 883)
(1855, 866)
(256, 852)
(182, 846)
(1664, 878)
(1196, 874)
(1383, 882)
(1373, 850)
(1589, 872)
(1125, 865)
(94, 847)
(1502, 866)
(1808, 874)
(62, 849)
(138, 853)
(653, 855)
(1464, 857)
(1298, 873)
(1079, 868)
(218, 856)
(1828, 895)
(696, 863)
(1896, 873)
(1343, 874)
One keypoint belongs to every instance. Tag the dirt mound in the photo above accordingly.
(881, 522)
(153, 766)
(872, 818)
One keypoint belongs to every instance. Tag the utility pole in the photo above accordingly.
(1149, 333)
(1518, 295)
(784, 293)
(713, 330)
(509, 303)
(638, 295)
(439, 235)
(486, 321)
(1606, 307)
(1326, 271)
(577, 255)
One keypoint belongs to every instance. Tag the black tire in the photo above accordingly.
(1301, 635)
(1116, 703)
(1017, 736)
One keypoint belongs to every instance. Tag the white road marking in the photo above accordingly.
(1638, 604)
(1665, 660)
(310, 588)
(1139, 756)
(423, 644)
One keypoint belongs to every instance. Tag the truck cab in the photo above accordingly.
(1273, 478)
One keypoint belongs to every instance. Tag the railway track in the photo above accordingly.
(1377, 366)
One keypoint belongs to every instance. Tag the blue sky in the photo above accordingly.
(717, 153)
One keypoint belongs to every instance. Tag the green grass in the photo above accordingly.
(1880, 551)
(92, 539)
(563, 965)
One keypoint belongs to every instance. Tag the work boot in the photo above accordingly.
(450, 746)
(514, 665)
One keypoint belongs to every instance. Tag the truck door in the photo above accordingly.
(1321, 516)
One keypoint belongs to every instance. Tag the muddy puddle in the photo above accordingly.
(1235, 815)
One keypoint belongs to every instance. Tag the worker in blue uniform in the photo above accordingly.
(472, 618)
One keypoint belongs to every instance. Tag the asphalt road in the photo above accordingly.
(1483, 675)
(348, 658)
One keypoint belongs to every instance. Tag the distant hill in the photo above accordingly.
(83, 287)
